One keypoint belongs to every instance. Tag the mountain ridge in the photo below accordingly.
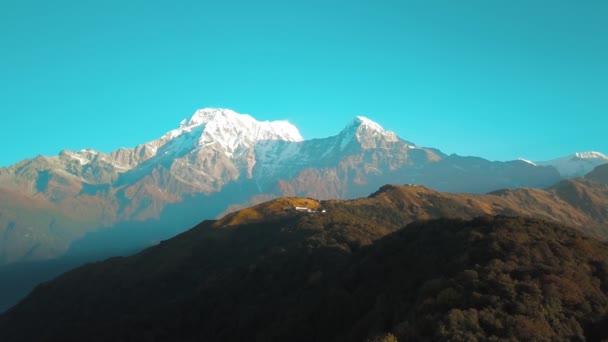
(579, 203)
(235, 161)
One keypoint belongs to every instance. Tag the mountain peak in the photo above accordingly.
(367, 132)
(527, 161)
(577, 164)
(205, 115)
(363, 121)
(590, 155)
(228, 129)
(220, 118)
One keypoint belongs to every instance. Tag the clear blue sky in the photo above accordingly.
(497, 79)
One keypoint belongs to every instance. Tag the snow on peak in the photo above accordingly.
(527, 161)
(363, 121)
(233, 130)
(203, 116)
(367, 132)
(577, 164)
(83, 156)
(590, 155)
(218, 118)
(227, 128)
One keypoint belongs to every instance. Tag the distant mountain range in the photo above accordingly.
(58, 212)
(406, 263)
(577, 164)
(92, 203)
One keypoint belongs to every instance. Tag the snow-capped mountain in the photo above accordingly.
(223, 130)
(577, 164)
(86, 205)
(213, 162)
(360, 135)
(230, 132)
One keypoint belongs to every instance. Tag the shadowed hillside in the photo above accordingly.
(599, 174)
(581, 204)
(331, 277)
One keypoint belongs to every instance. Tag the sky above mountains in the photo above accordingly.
(496, 79)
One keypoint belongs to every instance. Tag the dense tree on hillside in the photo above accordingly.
(316, 277)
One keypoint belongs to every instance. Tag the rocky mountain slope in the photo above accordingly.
(216, 162)
(347, 274)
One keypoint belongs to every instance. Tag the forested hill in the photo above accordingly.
(306, 277)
